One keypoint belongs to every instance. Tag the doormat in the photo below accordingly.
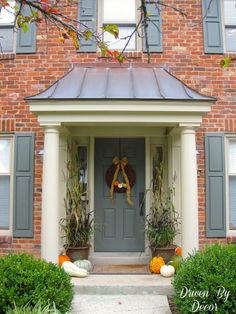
(121, 269)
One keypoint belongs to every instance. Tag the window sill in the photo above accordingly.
(5, 239)
(7, 55)
(127, 54)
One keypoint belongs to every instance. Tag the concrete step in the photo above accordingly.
(122, 304)
(123, 285)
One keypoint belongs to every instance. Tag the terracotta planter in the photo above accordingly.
(76, 253)
(165, 252)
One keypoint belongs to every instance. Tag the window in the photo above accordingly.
(230, 25)
(83, 167)
(232, 183)
(157, 160)
(7, 19)
(5, 181)
(114, 13)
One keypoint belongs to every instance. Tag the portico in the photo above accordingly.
(168, 112)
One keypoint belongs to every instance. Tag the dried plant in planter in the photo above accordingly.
(162, 222)
(77, 226)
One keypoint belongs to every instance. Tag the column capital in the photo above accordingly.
(47, 126)
(189, 126)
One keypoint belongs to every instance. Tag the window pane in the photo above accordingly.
(230, 12)
(83, 166)
(230, 35)
(5, 156)
(119, 44)
(232, 203)
(7, 15)
(119, 11)
(6, 39)
(232, 157)
(157, 154)
(4, 201)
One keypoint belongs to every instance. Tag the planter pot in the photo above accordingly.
(165, 252)
(76, 253)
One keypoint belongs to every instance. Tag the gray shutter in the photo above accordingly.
(87, 15)
(215, 185)
(154, 29)
(26, 42)
(23, 185)
(212, 26)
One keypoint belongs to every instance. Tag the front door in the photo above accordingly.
(119, 225)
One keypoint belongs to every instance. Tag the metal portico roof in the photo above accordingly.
(120, 83)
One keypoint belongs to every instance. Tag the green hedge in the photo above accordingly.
(25, 280)
(206, 281)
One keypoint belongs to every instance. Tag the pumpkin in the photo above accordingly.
(167, 270)
(178, 251)
(62, 259)
(176, 261)
(74, 271)
(84, 264)
(156, 263)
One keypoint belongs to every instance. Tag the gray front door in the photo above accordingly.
(119, 225)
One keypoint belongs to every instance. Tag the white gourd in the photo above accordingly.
(167, 270)
(84, 263)
(73, 270)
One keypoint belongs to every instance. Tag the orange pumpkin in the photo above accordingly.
(178, 251)
(156, 263)
(62, 259)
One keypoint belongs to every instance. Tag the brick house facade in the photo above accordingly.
(183, 55)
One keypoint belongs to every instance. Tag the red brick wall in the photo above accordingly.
(183, 56)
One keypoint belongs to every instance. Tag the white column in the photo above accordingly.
(50, 196)
(189, 191)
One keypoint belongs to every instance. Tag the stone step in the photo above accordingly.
(122, 304)
(123, 285)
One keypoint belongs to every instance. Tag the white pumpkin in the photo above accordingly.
(167, 270)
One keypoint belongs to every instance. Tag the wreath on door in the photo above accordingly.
(120, 165)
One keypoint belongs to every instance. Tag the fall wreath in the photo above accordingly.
(128, 175)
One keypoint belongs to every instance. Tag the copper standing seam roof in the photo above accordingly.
(141, 83)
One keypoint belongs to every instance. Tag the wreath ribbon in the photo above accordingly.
(120, 164)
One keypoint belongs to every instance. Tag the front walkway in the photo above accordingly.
(107, 294)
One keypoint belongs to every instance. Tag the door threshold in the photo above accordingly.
(130, 269)
(119, 258)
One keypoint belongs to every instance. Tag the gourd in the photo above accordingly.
(156, 263)
(176, 261)
(167, 270)
(62, 259)
(84, 264)
(73, 270)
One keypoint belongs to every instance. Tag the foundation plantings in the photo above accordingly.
(205, 282)
(26, 281)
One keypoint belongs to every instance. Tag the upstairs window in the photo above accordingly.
(123, 14)
(7, 19)
(230, 25)
(16, 40)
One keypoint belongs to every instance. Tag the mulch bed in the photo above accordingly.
(172, 305)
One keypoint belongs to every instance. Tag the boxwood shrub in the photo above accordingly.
(206, 281)
(24, 280)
